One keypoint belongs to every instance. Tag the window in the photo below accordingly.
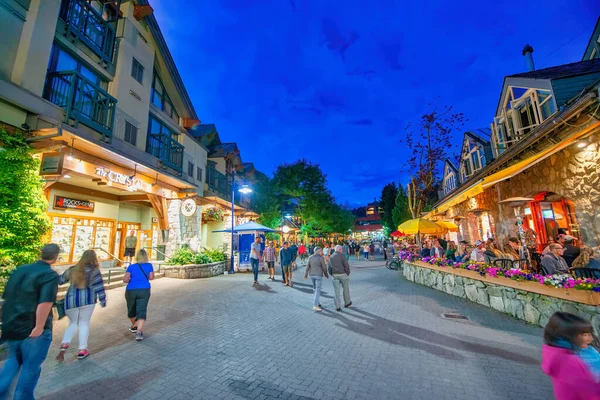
(160, 99)
(156, 127)
(190, 169)
(476, 161)
(130, 133)
(61, 61)
(137, 71)
(449, 183)
(199, 175)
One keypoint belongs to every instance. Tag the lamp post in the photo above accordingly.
(245, 190)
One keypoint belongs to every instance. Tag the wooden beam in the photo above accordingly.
(84, 191)
(160, 206)
(134, 197)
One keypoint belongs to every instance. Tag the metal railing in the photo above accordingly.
(166, 149)
(82, 100)
(111, 270)
(88, 25)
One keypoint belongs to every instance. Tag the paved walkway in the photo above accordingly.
(222, 338)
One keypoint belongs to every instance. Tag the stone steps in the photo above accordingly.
(115, 281)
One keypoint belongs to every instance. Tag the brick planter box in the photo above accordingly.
(526, 300)
(193, 271)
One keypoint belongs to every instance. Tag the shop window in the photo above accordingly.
(131, 132)
(137, 71)
(190, 169)
(199, 175)
(75, 235)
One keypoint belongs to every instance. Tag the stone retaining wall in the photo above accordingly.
(531, 307)
(193, 271)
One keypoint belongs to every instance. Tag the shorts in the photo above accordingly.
(270, 264)
(137, 303)
(287, 268)
(129, 252)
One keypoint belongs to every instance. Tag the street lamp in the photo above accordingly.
(244, 190)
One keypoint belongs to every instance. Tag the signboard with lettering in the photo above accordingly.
(115, 177)
(51, 164)
(67, 203)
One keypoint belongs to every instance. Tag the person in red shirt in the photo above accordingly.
(302, 252)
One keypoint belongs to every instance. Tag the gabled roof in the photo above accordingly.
(204, 130)
(223, 150)
(481, 135)
(450, 165)
(562, 71)
(593, 42)
(168, 59)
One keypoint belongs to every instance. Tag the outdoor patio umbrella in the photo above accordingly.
(397, 234)
(448, 225)
(420, 225)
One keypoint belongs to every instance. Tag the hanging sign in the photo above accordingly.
(188, 207)
(67, 203)
(52, 164)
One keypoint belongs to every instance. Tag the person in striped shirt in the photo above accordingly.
(269, 257)
(86, 288)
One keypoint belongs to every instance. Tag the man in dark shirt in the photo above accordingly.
(285, 258)
(27, 322)
(571, 251)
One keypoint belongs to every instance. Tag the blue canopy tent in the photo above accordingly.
(246, 233)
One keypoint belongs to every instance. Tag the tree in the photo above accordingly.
(303, 184)
(428, 143)
(23, 218)
(264, 202)
(401, 213)
(386, 206)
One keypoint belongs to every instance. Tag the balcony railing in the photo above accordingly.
(220, 184)
(87, 25)
(82, 100)
(166, 149)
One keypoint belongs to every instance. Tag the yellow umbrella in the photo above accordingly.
(420, 225)
(448, 225)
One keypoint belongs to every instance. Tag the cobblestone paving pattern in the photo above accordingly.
(222, 338)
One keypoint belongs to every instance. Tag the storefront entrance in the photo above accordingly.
(550, 215)
(76, 234)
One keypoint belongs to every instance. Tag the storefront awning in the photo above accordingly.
(469, 192)
(508, 172)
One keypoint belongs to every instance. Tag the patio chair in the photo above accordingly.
(503, 263)
(520, 263)
(586, 273)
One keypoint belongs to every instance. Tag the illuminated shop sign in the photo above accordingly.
(67, 203)
(119, 178)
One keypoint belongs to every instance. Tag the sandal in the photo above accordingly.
(60, 357)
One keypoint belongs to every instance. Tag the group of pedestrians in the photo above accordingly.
(321, 264)
(29, 296)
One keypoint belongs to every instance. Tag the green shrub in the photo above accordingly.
(202, 258)
(7, 266)
(215, 255)
(182, 256)
(23, 218)
(186, 256)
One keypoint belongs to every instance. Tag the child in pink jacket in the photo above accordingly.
(572, 379)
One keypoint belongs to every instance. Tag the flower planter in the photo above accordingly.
(194, 271)
(579, 296)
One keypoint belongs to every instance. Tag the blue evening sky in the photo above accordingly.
(335, 82)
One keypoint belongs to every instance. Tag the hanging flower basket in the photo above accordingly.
(212, 214)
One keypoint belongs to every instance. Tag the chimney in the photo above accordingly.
(528, 53)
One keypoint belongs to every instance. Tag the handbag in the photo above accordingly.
(60, 308)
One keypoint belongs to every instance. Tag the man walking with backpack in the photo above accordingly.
(27, 322)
